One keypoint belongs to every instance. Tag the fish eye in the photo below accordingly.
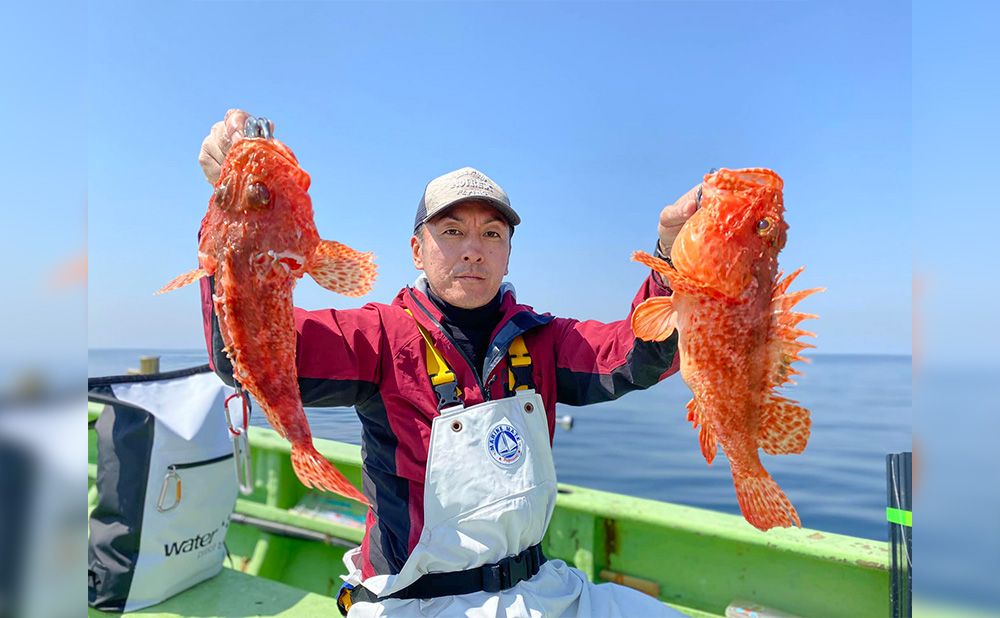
(258, 195)
(763, 226)
(219, 195)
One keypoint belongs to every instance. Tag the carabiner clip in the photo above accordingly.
(171, 475)
(241, 445)
(244, 467)
(245, 401)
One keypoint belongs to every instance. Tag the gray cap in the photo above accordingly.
(465, 184)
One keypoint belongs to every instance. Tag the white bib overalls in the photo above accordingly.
(489, 493)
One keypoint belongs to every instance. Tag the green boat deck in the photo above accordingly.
(235, 594)
(696, 560)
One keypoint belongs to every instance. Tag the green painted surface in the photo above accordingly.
(700, 560)
(704, 559)
(232, 594)
(271, 513)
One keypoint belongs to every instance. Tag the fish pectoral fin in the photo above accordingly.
(654, 319)
(341, 269)
(182, 280)
(706, 437)
(784, 426)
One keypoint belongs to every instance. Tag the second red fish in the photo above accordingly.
(737, 333)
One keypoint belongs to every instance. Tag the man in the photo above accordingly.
(456, 385)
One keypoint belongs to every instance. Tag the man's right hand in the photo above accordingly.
(220, 139)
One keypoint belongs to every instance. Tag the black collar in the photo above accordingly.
(486, 316)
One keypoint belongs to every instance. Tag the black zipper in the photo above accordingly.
(482, 388)
(204, 462)
(493, 379)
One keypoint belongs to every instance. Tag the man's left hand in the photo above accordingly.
(673, 217)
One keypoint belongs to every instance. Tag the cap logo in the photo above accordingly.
(473, 184)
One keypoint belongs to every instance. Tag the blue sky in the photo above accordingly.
(592, 117)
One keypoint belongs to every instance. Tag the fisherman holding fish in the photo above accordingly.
(456, 385)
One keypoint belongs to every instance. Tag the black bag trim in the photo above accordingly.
(115, 524)
(147, 377)
(18, 486)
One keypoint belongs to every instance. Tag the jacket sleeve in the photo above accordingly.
(336, 353)
(598, 362)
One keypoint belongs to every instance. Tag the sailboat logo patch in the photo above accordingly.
(504, 444)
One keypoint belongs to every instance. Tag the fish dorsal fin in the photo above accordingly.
(654, 319)
(783, 345)
(181, 280)
(784, 426)
(341, 269)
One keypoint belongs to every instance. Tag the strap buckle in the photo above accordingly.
(447, 395)
(511, 570)
(520, 378)
(344, 600)
(519, 366)
(493, 578)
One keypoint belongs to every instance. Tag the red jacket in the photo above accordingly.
(372, 358)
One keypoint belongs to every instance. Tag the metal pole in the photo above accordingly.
(899, 514)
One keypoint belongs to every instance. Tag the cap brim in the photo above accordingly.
(505, 210)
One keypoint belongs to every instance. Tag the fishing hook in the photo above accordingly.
(258, 127)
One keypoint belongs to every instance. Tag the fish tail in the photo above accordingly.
(315, 471)
(763, 503)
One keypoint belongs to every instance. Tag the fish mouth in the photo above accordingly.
(289, 261)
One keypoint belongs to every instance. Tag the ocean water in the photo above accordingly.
(642, 444)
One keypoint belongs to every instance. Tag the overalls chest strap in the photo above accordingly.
(445, 383)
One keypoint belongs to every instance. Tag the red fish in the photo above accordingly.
(258, 238)
(737, 333)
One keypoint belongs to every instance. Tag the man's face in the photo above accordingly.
(464, 252)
